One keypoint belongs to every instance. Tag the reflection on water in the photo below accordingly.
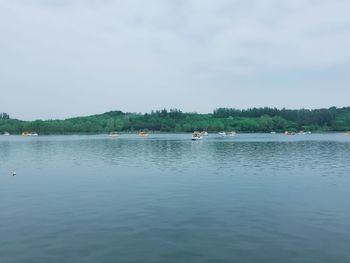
(178, 153)
(251, 198)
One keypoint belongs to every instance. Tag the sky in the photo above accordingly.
(61, 58)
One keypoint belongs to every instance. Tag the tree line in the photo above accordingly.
(4, 116)
(174, 120)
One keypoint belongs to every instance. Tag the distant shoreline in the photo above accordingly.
(175, 133)
(255, 120)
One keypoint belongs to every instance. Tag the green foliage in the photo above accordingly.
(174, 120)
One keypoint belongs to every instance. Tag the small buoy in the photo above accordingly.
(14, 173)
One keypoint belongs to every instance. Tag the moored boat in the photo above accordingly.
(113, 134)
(29, 134)
(6, 134)
(144, 133)
(231, 134)
(223, 134)
(204, 133)
(227, 134)
(347, 133)
(289, 133)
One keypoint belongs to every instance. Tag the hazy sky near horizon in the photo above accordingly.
(67, 58)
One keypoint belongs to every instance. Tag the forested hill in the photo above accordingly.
(250, 120)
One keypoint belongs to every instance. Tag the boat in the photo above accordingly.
(113, 134)
(7, 134)
(204, 133)
(223, 134)
(196, 136)
(29, 134)
(289, 133)
(301, 133)
(347, 133)
(273, 132)
(143, 133)
(231, 134)
(227, 134)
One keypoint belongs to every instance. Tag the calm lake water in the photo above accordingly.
(251, 198)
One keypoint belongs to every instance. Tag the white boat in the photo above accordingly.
(7, 134)
(273, 132)
(204, 133)
(113, 134)
(231, 134)
(196, 136)
(227, 134)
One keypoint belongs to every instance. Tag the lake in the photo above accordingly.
(250, 198)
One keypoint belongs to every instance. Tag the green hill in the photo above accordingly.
(249, 120)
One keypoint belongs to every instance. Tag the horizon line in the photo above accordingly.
(185, 112)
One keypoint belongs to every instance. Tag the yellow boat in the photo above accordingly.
(143, 133)
(114, 134)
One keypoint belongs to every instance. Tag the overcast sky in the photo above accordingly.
(61, 58)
